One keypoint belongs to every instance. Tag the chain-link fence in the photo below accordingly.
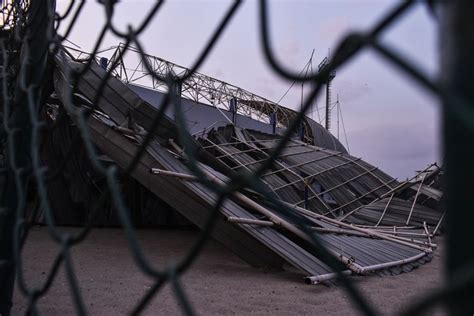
(29, 44)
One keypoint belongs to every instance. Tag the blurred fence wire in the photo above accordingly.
(29, 41)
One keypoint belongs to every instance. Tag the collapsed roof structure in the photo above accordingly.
(370, 221)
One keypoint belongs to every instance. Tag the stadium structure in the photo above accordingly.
(370, 221)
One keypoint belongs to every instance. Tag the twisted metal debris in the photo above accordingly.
(30, 46)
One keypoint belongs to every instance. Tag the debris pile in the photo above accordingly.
(370, 221)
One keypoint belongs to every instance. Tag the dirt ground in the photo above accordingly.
(218, 283)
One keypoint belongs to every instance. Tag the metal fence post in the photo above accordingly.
(457, 42)
(7, 268)
(33, 65)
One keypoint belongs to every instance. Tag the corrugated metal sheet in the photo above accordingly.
(324, 186)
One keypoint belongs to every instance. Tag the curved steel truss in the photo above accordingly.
(131, 69)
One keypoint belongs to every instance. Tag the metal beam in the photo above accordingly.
(198, 87)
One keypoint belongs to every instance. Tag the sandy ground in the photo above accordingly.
(218, 283)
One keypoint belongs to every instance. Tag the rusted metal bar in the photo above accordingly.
(384, 210)
(362, 196)
(257, 222)
(386, 265)
(315, 279)
(249, 221)
(307, 163)
(296, 175)
(428, 236)
(414, 200)
(359, 165)
(182, 176)
(223, 149)
(399, 187)
(338, 186)
(239, 142)
(312, 175)
(368, 232)
(330, 276)
(241, 152)
(439, 224)
(279, 156)
(244, 200)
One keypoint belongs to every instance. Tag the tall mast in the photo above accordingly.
(324, 63)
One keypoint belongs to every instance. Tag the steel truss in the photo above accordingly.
(198, 87)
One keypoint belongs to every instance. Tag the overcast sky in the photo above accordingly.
(390, 121)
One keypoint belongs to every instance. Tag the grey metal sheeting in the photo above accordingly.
(342, 176)
(352, 184)
(194, 201)
(398, 209)
(257, 245)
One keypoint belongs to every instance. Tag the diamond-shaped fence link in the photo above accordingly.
(29, 43)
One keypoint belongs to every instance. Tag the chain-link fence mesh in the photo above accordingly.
(29, 44)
